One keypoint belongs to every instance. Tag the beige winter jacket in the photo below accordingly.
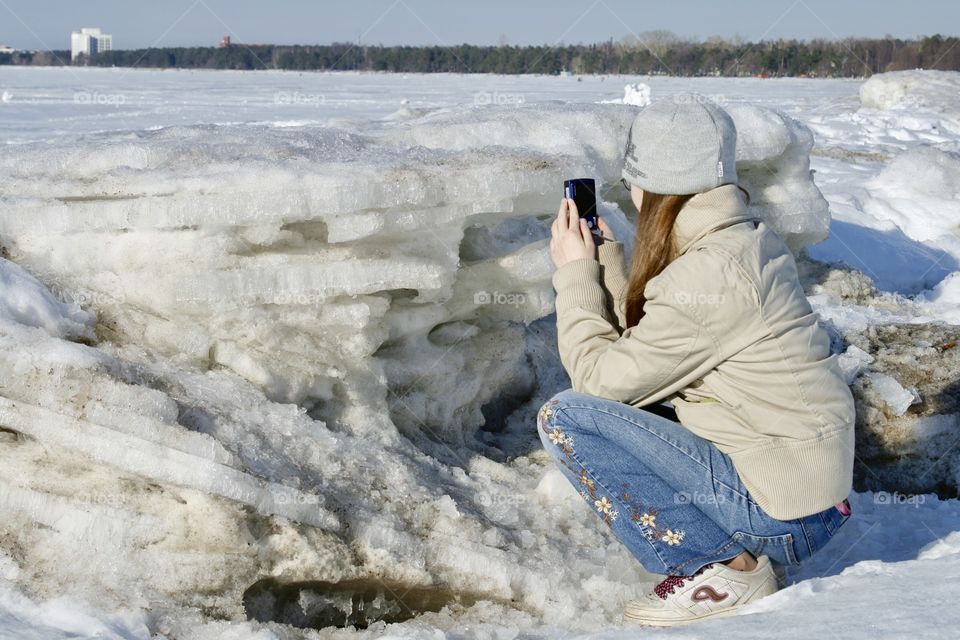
(729, 338)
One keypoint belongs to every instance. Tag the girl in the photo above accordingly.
(708, 424)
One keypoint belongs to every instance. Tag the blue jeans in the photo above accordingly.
(671, 497)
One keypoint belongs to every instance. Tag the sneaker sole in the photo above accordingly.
(652, 622)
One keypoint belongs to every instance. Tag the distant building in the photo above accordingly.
(227, 43)
(89, 41)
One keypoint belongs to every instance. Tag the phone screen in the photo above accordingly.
(583, 192)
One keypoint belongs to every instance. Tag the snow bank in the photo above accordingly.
(878, 248)
(905, 107)
(894, 202)
(919, 191)
(317, 355)
(901, 226)
(931, 89)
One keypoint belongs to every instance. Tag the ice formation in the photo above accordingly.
(893, 394)
(637, 94)
(308, 354)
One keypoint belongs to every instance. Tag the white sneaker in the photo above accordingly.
(715, 590)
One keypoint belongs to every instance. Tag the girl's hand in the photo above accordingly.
(571, 236)
(605, 230)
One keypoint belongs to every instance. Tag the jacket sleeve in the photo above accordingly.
(666, 351)
(614, 277)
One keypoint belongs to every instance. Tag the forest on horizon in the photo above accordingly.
(652, 53)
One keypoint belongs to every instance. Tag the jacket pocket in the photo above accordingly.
(703, 392)
(778, 548)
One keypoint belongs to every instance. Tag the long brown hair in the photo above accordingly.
(654, 246)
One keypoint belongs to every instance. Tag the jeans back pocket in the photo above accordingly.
(834, 517)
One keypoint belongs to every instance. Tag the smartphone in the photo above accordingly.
(583, 192)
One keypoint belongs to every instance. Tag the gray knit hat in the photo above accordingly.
(682, 144)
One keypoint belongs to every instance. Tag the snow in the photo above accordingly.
(898, 551)
(947, 291)
(919, 192)
(21, 617)
(894, 196)
(295, 327)
(24, 300)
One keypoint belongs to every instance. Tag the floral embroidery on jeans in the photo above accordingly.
(603, 504)
(647, 519)
(672, 537)
(586, 480)
(545, 412)
(555, 434)
(605, 507)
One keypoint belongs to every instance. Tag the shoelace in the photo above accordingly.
(666, 587)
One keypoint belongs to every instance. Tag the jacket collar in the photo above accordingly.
(708, 211)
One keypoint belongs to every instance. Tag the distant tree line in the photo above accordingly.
(656, 52)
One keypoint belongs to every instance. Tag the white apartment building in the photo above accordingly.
(89, 41)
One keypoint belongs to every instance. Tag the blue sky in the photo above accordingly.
(41, 24)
